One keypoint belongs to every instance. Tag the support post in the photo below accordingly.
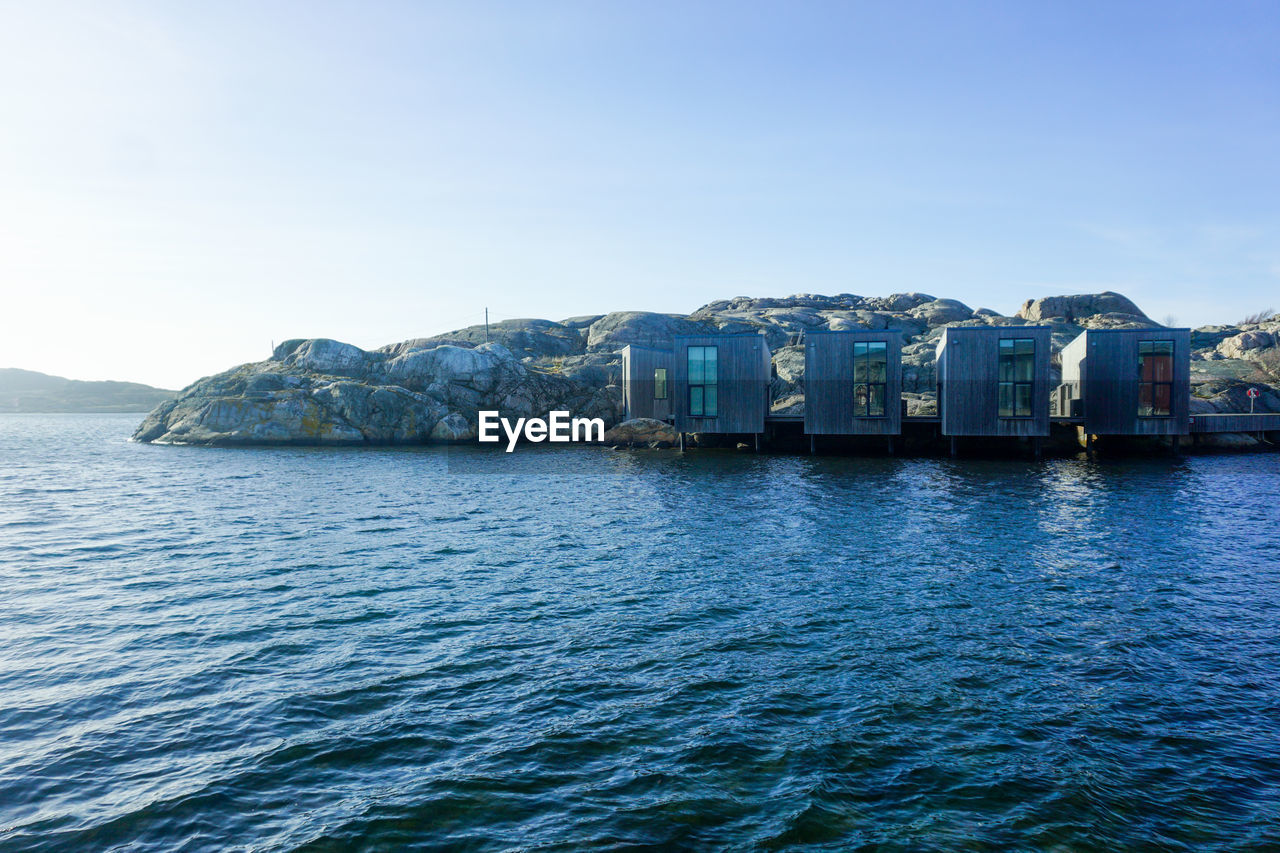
(682, 442)
(1088, 444)
(757, 442)
(1035, 446)
(953, 447)
(890, 445)
(813, 444)
(1174, 445)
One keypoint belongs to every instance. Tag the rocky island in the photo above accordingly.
(323, 392)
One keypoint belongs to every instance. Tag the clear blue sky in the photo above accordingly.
(182, 183)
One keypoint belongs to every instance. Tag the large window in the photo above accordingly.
(659, 383)
(1155, 378)
(704, 374)
(1017, 377)
(870, 378)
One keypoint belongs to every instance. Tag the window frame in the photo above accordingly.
(701, 387)
(1152, 385)
(660, 383)
(1015, 384)
(863, 410)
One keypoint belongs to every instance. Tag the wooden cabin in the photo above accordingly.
(853, 382)
(1129, 381)
(646, 382)
(994, 380)
(720, 383)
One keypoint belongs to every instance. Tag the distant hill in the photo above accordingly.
(29, 391)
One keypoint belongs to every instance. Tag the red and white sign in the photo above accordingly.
(1253, 393)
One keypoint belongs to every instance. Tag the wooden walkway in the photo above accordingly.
(1235, 423)
(1199, 423)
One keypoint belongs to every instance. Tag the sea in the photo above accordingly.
(574, 648)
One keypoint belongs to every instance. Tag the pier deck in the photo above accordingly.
(1230, 422)
(1233, 422)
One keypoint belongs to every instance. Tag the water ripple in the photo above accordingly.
(325, 650)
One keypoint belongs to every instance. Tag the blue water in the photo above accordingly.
(213, 649)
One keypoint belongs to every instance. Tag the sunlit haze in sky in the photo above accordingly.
(183, 183)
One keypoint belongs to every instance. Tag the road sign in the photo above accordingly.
(1253, 393)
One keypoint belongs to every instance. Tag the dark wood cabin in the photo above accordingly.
(646, 382)
(720, 383)
(1129, 381)
(994, 380)
(853, 382)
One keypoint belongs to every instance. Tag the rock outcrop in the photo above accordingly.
(1250, 343)
(642, 432)
(1082, 307)
(525, 338)
(940, 312)
(430, 389)
(326, 392)
(641, 328)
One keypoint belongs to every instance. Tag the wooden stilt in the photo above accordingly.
(1174, 445)
(1035, 446)
(890, 445)
(813, 444)
(682, 442)
(953, 447)
(757, 442)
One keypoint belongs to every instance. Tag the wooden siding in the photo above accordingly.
(638, 365)
(1100, 368)
(1242, 422)
(969, 381)
(745, 367)
(829, 385)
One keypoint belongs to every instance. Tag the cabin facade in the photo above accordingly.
(994, 380)
(853, 382)
(646, 382)
(1129, 381)
(720, 383)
